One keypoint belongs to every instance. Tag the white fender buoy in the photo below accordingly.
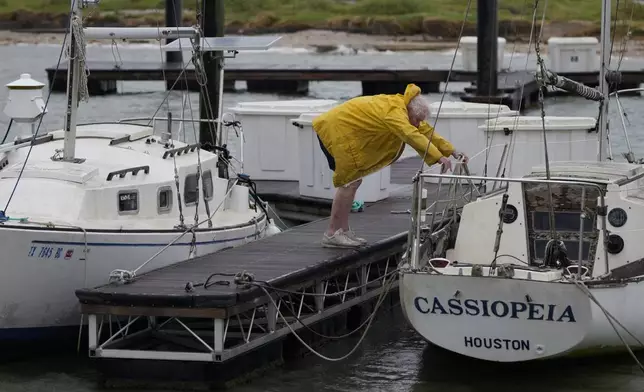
(272, 229)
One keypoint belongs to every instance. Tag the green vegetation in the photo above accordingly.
(375, 16)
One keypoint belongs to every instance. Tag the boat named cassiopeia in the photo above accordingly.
(545, 264)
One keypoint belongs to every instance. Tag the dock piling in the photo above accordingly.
(487, 48)
(212, 20)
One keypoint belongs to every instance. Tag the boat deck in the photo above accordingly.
(289, 258)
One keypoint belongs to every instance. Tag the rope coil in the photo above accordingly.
(79, 48)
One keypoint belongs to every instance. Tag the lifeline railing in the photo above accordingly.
(413, 239)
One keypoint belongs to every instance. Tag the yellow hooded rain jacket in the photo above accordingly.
(365, 134)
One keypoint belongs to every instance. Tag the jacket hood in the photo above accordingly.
(410, 92)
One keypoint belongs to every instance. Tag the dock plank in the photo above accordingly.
(292, 256)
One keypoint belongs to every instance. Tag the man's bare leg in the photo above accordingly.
(353, 189)
(341, 208)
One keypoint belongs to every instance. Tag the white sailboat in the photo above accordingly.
(101, 201)
(545, 265)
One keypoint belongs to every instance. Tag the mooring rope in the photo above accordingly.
(379, 302)
(247, 279)
(612, 320)
(125, 276)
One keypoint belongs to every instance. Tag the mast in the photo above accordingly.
(603, 82)
(73, 71)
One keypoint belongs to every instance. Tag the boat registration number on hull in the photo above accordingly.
(49, 252)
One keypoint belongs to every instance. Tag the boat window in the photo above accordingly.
(564, 221)
(128, 202)
(190, 189)
(207, 184)
(572, 249)
(164, 200)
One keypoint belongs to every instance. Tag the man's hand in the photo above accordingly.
(446, 163)
(460, 155)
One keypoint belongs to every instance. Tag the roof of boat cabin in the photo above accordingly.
(604, 172)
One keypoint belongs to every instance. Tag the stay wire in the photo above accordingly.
(449, 75)
(60, 56)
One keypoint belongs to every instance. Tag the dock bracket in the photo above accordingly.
(320, 290)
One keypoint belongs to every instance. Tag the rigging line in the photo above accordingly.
(496, 119)
(541, 78)
(199, 168)
(380, 300)
(449, 74)
(612, 40)
(131, 274)
(207, 99)
(626, 37)
(183, 71)
(512, 147)
(165, 79)
(4, 139)
(31, 146)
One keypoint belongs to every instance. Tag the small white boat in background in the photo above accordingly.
(546, 264)
(92, 202)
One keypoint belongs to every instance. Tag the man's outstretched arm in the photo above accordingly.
(399, 125)
(444, 146)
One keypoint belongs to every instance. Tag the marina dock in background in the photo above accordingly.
(214, 312)
(517, 89)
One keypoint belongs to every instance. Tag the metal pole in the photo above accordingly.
(603, 83)
(213, 26)
(173, 18)
(487, 48)
(73, 72)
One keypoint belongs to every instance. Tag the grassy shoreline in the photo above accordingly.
(435, 19)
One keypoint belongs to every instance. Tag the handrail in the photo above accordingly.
(413, 240)
(509, 179)
(134, 170)
(129, 119)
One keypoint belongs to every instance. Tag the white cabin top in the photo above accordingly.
(603, 172)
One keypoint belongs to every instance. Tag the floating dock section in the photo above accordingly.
(221, 317)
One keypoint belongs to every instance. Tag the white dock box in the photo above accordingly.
(569, 139)
(573, 54)
(270, 147)
(469, 58)
(316, 179)
(459, 122)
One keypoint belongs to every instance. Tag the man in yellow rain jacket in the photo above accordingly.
(365, 134)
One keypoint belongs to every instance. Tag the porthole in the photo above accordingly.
(511, 214)
(617, 217)
(615, 244)
(164, 200)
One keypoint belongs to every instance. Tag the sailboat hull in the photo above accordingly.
(41, 269)
(517, 320)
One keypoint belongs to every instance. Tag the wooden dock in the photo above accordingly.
(169, 319)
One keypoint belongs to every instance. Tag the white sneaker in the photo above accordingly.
(339, 239)
(352, 234)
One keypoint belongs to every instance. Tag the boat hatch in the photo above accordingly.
(62, 171)
(567, 207)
